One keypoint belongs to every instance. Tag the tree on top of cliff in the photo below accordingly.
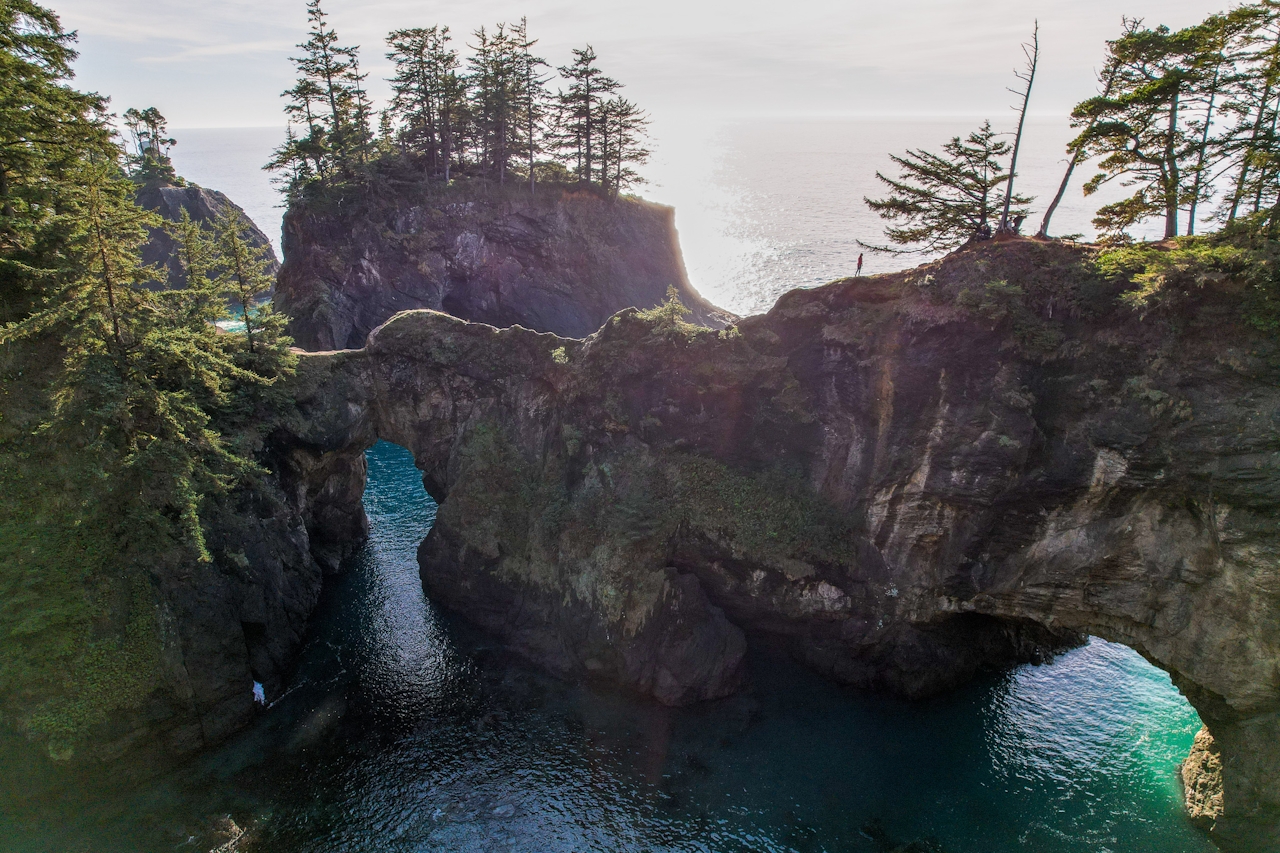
(428, 107)
(580, 111)
(330, 106)
(1139, 130)
(47, 130)
(149, 135)
(622, 137)
(507, 94)
(533, 98)
(942, 201)
(136, 412)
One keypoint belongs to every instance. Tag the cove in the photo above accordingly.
(406, 730)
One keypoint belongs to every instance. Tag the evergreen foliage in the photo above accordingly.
(945, 200)
(1187, 116)
(126, 413)
(48, 131)
(489, 116)
(149, 159)
(328, 103)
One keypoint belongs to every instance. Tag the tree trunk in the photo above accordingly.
(1022, 118)
(1057, 199)
(1203, 153)
(1076, 156)
(1172, 181)
(1257, 130)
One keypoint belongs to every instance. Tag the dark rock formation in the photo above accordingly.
(227, 623)
(561, 262)
(904, 478)
(203, 206)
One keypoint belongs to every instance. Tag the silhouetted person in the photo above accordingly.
(859, 272)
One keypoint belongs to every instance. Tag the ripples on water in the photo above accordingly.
(406, 732)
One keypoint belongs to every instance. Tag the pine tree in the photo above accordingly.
(148, 131)
(138, 376)
(622, 134)
(1251, 108)
(47, 130)
(580, 110)
(1215, 75)
(496, 83)
(136, 415)
(1140, 131)
(531, 102)
(244, 278)
(330, 104)
(943, 201)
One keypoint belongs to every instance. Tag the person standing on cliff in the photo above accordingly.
(859, 272)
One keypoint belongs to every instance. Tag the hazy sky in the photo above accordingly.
(223, 63)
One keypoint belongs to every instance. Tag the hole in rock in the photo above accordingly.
(404, 729)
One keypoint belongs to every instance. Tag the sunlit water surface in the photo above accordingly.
(404, 731)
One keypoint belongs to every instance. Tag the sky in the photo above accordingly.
(223, 63)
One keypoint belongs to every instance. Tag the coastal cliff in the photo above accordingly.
(561, 261)
(903, 479)
(204, 206)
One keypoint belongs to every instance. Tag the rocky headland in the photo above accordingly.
(204, 206)
(904, 478)
(562, 261)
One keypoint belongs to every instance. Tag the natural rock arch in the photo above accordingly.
(902, 488)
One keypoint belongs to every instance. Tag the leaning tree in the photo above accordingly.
(941, 201)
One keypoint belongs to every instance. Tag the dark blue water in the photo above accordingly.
(407, 732)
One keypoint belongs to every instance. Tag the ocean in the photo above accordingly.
(404, 730)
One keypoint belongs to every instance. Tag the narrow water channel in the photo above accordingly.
(405, 731)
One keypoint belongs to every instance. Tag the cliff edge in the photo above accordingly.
(561, 261)
(905, 479)
(204, 206)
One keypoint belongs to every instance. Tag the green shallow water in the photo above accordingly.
(405, 731)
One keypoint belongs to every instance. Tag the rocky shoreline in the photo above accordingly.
(903, 482)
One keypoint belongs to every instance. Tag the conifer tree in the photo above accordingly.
(1140, 131)
(622, 135)
(148, 131)
(244, 277)
(47, 130)
(330, 104)
(580, 110)
(531, 101)
(944, 200)
(138, 376)
(496, 84)
(1215, 75)
(1251, 107)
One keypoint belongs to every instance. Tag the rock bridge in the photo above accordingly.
(902, 489)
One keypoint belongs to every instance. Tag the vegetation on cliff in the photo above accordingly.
(490, 119)
(1184, 118)
(125, 414)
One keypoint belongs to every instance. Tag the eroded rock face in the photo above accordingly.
(905, 479)
(204, 206)
(561, 262)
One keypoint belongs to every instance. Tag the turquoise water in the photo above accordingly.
(404, 731)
